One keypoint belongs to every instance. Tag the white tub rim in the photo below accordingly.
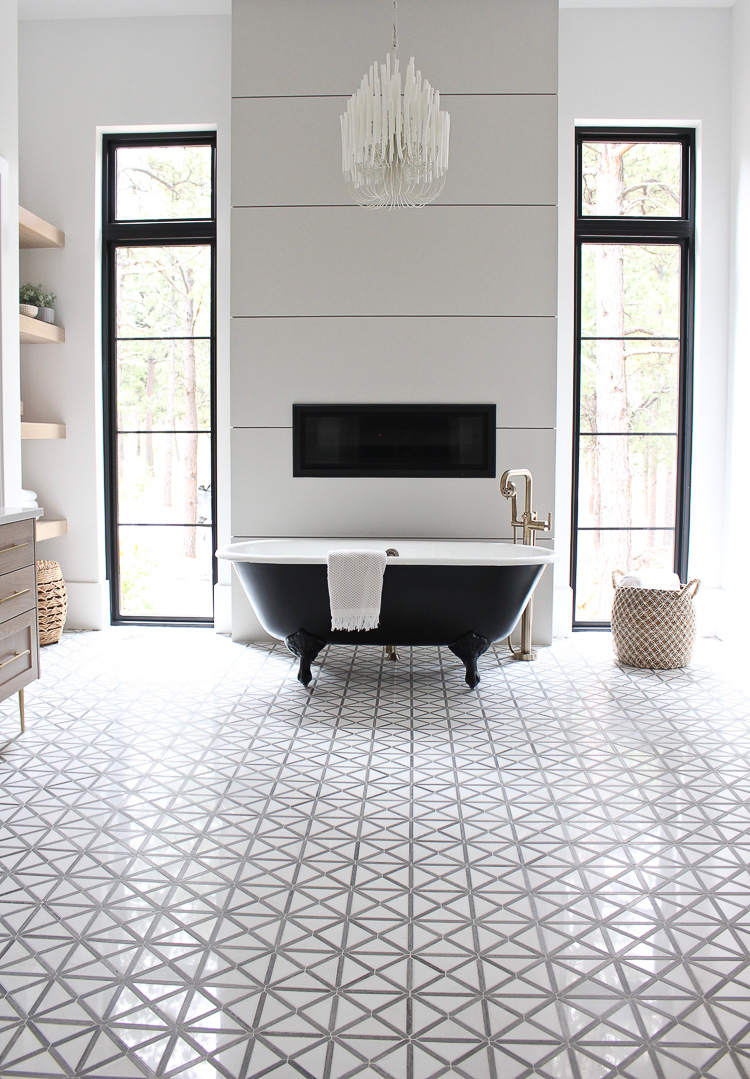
(474, 552)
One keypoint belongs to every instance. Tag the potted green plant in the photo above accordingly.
(44, 302)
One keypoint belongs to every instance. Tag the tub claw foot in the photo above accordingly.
(305, 646)
(468, 649)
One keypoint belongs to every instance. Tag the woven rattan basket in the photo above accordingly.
(53, 601)
(653, 627)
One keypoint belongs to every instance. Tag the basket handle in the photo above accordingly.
(685, 590)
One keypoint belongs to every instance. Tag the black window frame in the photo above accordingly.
(676, 231)
(145, 233)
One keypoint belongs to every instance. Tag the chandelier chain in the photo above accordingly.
(395, 27)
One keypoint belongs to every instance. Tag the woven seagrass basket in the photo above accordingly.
(653, 627)
(52, 600)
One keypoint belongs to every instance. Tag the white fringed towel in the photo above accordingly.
(355, 585)
(651, 578)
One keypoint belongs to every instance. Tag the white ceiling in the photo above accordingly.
(115, 9)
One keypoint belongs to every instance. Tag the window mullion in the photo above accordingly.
(200, 534)
(648, 233)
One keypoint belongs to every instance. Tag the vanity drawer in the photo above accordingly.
(17, 592)
(19, 655)
(16, 545)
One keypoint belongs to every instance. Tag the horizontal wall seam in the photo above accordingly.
(354, 206)
(416, 315)
(439, 539)
(345, 97)
(288, 427)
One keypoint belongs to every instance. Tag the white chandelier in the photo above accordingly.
(394, 148)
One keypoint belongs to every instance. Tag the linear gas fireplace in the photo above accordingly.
(394, 440)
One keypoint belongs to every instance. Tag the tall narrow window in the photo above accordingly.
(635, 243)
(159, 347)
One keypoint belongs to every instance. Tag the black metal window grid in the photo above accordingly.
(116, 233)
(677, 231)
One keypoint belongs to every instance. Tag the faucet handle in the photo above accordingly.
(540, 526)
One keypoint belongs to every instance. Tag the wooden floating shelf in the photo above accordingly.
(34, 332)
(42, 430)
(33, 231)
(48, 528)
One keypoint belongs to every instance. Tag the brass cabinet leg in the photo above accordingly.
(21, 710)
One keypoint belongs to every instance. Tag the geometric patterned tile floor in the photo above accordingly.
(210, 872)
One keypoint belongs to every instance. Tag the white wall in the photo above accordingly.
(10, 392)
(454, 302)
(78, 78)
(738, 488)
(82, 75)
(9, 85)
(658, 66)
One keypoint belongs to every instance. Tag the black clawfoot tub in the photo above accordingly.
(463, 594)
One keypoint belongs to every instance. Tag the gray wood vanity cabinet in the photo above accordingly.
(19, 637)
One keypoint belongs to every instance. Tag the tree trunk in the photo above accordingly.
(119, 452)
(653, 493)
(167, 488)
(646, 469)
(612, 499)
(191, 424)
(149, 413)
(671, 493)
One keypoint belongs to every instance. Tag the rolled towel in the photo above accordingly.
(28, 496)
(355, 585)
(651, 578)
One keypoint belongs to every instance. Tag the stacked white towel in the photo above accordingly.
(355, 585)
(651, 578)
(28, 499)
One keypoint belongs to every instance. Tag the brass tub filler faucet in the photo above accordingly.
(528, 525)
(391, 652)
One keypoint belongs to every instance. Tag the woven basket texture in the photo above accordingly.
(52, 600)
(654, 628)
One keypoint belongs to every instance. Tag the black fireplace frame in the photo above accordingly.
(486, 412)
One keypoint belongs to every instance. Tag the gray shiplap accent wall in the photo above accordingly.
(484, 167)
(454, 302)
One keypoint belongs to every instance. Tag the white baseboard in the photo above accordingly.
(562, 611)
(543, 607)
(223, 608)
(88, 608)
(88, 605)
(712, 613)
(244, 621)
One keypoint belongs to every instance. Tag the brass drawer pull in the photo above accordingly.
(15, 595)
(15, 656)
(14, 547)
